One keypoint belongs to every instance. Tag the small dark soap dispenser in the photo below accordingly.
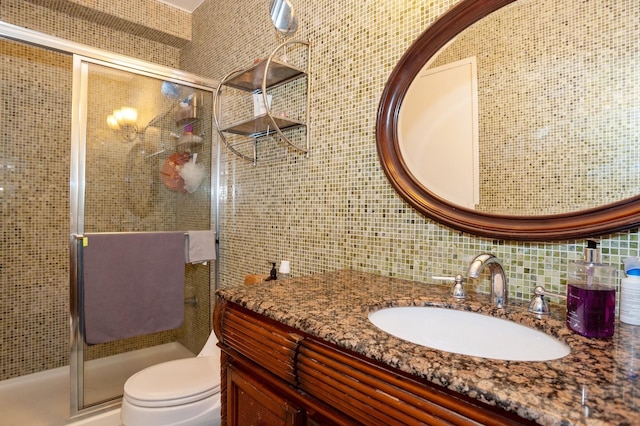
(591, 295)
(273, 274)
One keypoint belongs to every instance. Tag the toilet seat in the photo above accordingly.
(174, 383)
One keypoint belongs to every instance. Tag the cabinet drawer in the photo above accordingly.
(263, 342)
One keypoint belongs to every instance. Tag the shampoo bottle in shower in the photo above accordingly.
(591, 295)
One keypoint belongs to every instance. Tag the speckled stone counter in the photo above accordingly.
(596, 384)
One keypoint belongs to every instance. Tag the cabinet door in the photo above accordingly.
(251, 403)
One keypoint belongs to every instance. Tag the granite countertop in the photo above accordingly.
(596, 384)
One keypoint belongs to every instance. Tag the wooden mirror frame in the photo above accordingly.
(614, 217)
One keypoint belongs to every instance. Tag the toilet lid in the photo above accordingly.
(174, 382)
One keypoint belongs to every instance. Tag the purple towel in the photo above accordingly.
(133, 284)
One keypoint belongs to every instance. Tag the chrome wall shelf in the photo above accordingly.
(262, 126)
(259, 79)
(277, 74)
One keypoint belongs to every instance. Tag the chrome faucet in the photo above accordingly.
(498, 277)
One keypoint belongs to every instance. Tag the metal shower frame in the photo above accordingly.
(82, 56)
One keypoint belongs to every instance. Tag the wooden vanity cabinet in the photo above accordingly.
(273, 374)
(252, 401)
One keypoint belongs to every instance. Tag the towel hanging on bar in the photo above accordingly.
(131, 284)
(200, 247)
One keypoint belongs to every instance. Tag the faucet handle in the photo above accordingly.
(458, 291)
(538, 305)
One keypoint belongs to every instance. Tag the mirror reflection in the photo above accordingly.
(551, 110)
(283, 17)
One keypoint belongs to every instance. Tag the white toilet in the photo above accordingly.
(174, 393)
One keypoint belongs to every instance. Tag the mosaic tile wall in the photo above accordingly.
(34, 167)
(34, 174)
(73, 22)
(149, 19)
(335, 208)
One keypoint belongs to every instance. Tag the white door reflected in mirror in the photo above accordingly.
(438, 131)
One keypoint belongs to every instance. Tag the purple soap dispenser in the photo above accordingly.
(591, 295)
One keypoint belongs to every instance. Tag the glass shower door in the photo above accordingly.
(141, 162)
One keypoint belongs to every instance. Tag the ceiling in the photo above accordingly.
(186, 5)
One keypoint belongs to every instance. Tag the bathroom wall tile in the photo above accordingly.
(335, 209)
(85, 30)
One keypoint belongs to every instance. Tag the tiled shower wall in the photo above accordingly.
(35, 90)
(35, 221)
(335, 209)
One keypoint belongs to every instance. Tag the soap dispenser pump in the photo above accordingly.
(591, 295)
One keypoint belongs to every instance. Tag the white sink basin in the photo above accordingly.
(468, 333)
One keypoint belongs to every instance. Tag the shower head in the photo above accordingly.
(171, 90)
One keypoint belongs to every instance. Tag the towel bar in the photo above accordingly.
(191, 301)
(81, 236)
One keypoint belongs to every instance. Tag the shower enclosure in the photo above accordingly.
(94, 143)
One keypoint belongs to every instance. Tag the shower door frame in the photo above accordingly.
(82, 56)
(79, 117)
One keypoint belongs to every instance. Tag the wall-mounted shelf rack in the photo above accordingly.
(263, 76)
(278, 73)
(261, 126)
(179, 117)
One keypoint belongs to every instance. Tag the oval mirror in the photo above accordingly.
(283, 17)
(519, 120)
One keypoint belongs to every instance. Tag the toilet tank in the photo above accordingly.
(210, 348)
